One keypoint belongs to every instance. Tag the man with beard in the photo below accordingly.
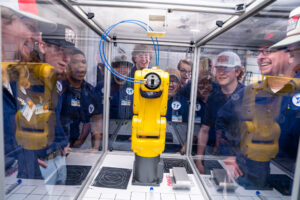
(81, 104)
(228, 72)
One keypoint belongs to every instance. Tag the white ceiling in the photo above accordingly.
(181, 26)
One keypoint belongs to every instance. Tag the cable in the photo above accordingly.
(102, 52)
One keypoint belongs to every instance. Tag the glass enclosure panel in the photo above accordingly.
(126, 59)
(249, 122)
(267, 23)
(180, 26)
(51, 112)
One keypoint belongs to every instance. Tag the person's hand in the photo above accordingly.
(200, 166)
(42, 163)
(215, 151)
(78, 143)
(65, 150)
(232, 167)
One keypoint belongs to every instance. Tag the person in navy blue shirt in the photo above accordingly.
(177, 104)
(81, 104)
(178, 108)
(204, 88)
(228, 72)
(121, 92)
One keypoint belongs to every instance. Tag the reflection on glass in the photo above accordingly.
(47, 104)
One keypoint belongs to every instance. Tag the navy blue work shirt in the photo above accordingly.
(178, 109)
(214, 103)
(121, 103)
(10, 108)
(79, 105)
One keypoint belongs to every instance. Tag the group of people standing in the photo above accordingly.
(249, 125)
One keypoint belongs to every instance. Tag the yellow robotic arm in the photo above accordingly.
(149, 108)
(149, 125)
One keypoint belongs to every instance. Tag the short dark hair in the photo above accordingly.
(123, 63)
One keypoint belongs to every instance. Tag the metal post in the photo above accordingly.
(106, 98)
(193, 97)
(83, 18)
(161, 43)
(219, 8)
(2, 161)
(296, 183)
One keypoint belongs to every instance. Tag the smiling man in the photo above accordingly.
(228, 73)
(267, 112)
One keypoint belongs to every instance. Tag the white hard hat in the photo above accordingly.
(293, 31)
(12, 6)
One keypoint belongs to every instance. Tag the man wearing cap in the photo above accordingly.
(57, 48)
(121, 92)
(81, 104)
(267, 112)
(141, 57)
(228, 72)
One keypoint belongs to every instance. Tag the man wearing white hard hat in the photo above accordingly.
(228, 73)
(267, 113)
(20, 36)
(293, 31)
(292, 42)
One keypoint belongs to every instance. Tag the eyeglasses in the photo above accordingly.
(185, 72)
(264, 51)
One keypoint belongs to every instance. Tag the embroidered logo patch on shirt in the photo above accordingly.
(129, 91)
(198, 107)
(296, 99)
(59, 86)
(91, 108)
(176, 105)
(235, 97)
